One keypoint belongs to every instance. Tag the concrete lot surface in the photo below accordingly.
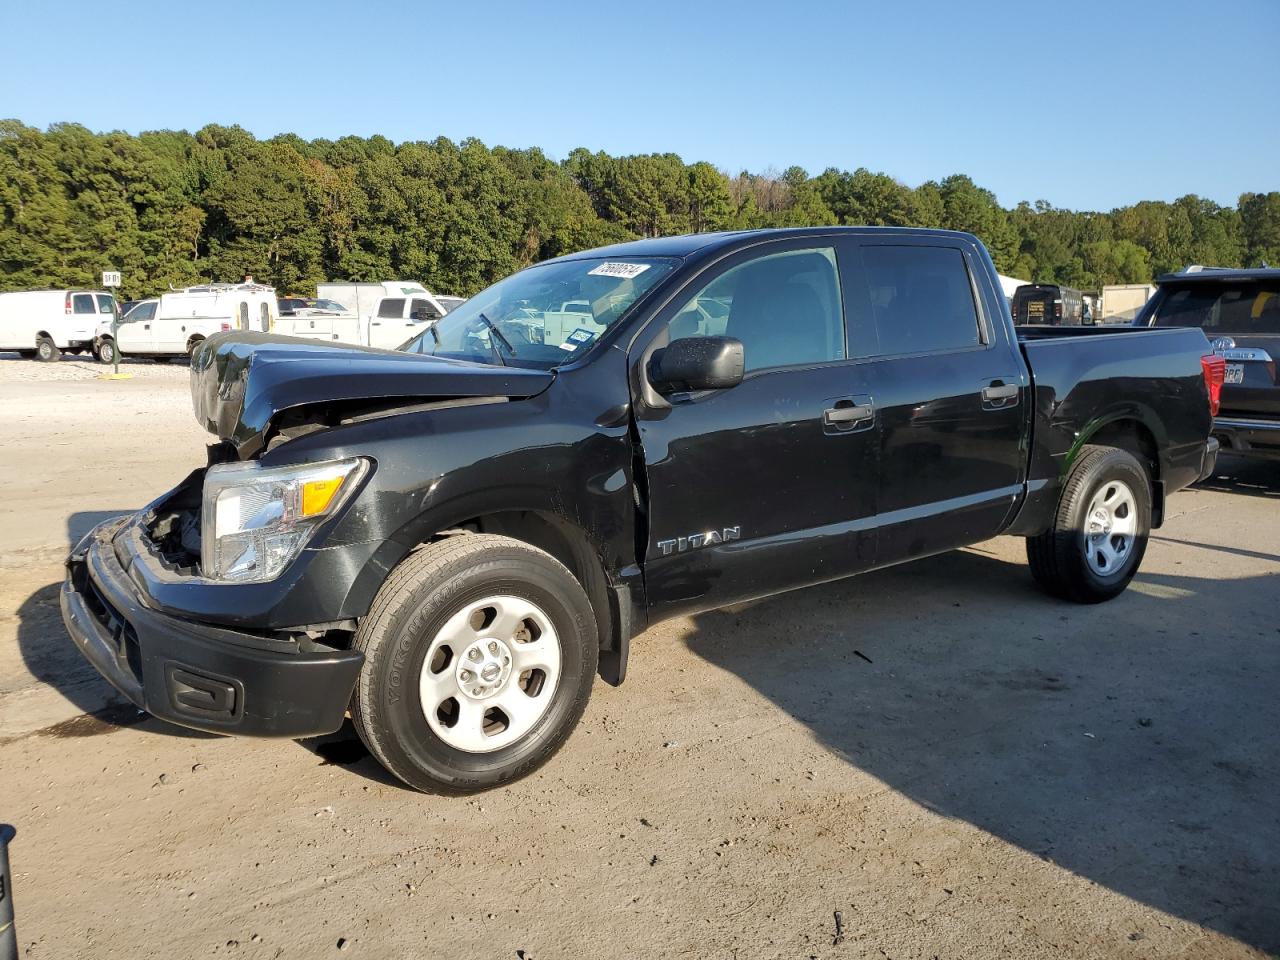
(958, 765)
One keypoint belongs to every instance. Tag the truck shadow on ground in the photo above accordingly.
(1132, 743)
(1254, 478)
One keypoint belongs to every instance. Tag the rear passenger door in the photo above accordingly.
(948, 388)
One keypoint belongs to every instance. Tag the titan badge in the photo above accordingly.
(695, 540)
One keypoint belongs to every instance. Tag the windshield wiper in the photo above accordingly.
(495, 332)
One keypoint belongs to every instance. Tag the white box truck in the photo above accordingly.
(1122, 301)
(43, 323)
(173, 324)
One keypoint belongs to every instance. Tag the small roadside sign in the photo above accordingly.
(111, 278)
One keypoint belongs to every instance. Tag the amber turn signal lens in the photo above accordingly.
(318, 494)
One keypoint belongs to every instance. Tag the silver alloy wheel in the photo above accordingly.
(107, 351)
(1110, 526)
(490, 674)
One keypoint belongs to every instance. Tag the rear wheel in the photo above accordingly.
(107, 351)
(1100, 530)
(47, 351)
(480, 652)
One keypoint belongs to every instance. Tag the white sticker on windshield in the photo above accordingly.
(623, 271)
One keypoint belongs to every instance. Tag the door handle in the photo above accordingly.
(999, 395)
(847, 414)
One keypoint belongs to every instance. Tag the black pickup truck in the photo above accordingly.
(451, 540)
(1239, 312)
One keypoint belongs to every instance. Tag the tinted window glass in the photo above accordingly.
(83, 303)
(106, 303)
(391, 308)
(264, 316)
(921, 299)
(1236, 308)
(244, 316)
(785, 308)
(421, 309)
(143, 311)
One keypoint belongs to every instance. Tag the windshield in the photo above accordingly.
(544, 316)
(1231, 308)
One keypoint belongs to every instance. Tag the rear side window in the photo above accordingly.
(391, 307)
(264, 316)
(921, 299)
(1229, 308)
(83, 303)
(244, 316)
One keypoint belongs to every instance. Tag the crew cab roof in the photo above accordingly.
(1219, 274)
(688, 244)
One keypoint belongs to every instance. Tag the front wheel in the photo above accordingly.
(47, 351)
(480, 652)
(1100, 530)
(107, 351)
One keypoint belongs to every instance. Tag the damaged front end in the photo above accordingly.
(250, 388)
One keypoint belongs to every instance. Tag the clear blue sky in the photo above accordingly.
(1086, 104)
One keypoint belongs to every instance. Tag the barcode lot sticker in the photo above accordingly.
(623, 271)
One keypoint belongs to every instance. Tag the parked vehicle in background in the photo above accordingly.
(43, 323)
(390, 321)
(1049, 304)
(1239, 311)
(286, 306)
(453, 540)
(1122, 302)
(173, 324)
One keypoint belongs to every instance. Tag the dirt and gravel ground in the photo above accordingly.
(955, 764)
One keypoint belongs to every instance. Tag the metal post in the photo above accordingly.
(8, 935)
(115, 351)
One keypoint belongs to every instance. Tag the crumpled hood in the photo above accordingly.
(241, 381)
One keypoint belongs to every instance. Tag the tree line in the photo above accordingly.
(176, 208)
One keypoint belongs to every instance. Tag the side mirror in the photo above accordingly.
(698, 363)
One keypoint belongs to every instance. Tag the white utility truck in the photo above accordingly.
(376, 314)
(173, 324)
(43, 323)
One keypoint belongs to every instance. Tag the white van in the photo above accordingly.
(43, 323)
(172, 325)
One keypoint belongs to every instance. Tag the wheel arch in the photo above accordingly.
(546, 529)
(1132, 433)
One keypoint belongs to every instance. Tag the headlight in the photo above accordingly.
(255, 520)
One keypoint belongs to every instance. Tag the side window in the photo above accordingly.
(264, 317)
(785, 308)
(391, 307)
(921, 299)
(83, 303)
(244, 315)
(145, 311)
(106, 304)
(422, 310)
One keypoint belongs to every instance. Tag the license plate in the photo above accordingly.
(1235, 373)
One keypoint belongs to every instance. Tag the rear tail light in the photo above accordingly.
(225, 326)
(1057, 311)
(66, 304)
(1215, 373)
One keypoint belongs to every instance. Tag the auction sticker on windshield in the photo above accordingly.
(623, 271)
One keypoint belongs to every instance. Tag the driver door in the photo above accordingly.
(770, 484)
(134, 333)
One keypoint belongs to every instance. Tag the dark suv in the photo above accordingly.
(1239, 311)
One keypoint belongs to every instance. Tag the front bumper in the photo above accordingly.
(194, 674)
(1248, 438)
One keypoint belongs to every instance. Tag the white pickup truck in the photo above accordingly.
(373, 315)
(176, 322)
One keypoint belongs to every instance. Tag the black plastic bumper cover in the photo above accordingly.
(197, 675)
